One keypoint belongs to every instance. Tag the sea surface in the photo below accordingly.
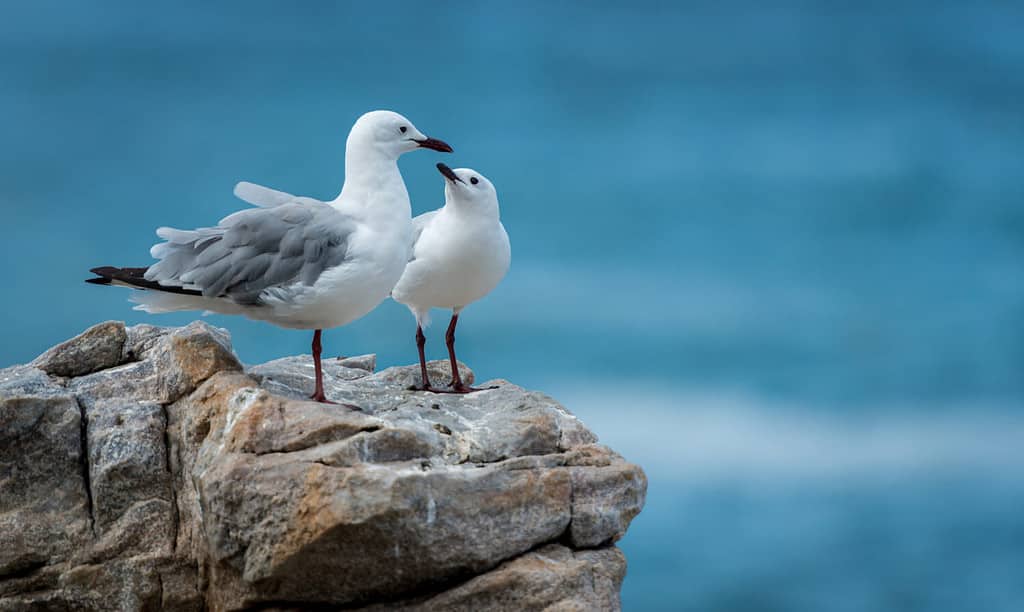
(772, 252)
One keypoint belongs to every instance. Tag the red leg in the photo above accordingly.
(456, 384)
(421, 342)
(449, 340)
(318, 393)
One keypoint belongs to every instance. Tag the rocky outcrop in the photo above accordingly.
(146, 468)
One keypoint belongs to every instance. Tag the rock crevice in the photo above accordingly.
(169, 463)
(83, 462)
(200, 484)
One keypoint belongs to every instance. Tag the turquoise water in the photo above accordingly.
(773, 254)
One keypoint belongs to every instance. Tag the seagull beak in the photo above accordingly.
(435, 144)
(448, 173)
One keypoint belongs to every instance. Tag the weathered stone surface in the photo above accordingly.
(126, 584)
(295, 377)
(127, 459)
(605, 500)
(44, 504)
(172, 479)
(170, 363)
(26, 381)
(551, 578)
(97, 348)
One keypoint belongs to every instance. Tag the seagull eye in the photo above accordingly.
(402, 129)
(474, 180)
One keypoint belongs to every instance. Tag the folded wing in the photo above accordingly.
(418, 224)
(253, 250)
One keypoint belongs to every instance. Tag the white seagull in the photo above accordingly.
(293, 261)
(460, 253)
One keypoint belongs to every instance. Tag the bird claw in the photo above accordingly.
(320, 397)
(454, 387)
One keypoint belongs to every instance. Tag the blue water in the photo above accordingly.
(773, 252)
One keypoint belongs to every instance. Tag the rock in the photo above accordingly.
(45, 510)
(97, 348)
(128, 462)
(170, 363)
(295, 376)
(551, 578)
(605, 500)
(359, 362)
(161, 475)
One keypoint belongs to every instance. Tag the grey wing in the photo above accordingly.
(418, 223)
(253, 250)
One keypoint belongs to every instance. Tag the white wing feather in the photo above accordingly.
(261, 196)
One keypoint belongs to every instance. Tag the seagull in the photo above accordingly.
(296, 262)
(460, 253)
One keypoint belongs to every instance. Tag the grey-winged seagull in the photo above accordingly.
(293, 261)
(460, 253)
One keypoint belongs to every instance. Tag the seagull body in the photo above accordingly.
(460, 253)
(296, 262)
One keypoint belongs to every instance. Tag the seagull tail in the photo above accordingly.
(134, 278)
(157, 298)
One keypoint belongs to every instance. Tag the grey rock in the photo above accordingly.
(351, 534)
(143, 582)
(295, 376)
(22, 389)
(359, 362)
(140, 339)
(28, 381)
(97, 348)
(44, 504)
(166, 477)
(605, 500)
(552, 577)
(170, 364)
(127, 459)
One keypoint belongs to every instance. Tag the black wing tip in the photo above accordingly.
(104, 275)
(136, 278)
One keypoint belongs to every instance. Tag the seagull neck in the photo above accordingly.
(472, 212)
(373, 186)
(368, 169)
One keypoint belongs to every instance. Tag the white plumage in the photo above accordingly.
(460, 253)
(293, 261)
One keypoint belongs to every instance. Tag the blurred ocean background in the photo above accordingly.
(772, 252)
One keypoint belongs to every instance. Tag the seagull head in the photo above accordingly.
(391, 134)
(468, 189)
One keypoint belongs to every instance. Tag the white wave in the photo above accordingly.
(689, 435)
